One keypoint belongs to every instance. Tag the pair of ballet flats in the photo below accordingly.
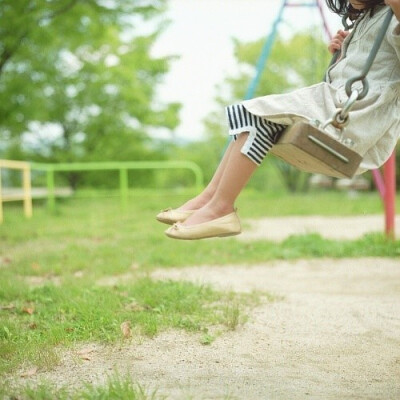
(228, 225)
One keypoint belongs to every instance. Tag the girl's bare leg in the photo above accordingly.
(229, 180)
(205, 196)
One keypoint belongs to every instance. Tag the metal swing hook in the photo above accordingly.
(341, 117)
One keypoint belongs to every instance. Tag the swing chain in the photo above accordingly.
(341, 117)
(347, 25)
(362, 77)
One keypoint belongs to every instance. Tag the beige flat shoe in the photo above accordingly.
(170, 216)
(227, 225)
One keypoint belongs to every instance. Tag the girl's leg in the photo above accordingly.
(231, 177)
(239, 121)
(213, 213)
(205, 196)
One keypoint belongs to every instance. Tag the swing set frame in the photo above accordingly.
(386, 183)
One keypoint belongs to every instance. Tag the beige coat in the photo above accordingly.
(374, 126)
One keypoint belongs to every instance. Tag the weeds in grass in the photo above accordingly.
(232, 316)
(207, 339)
(116, 388)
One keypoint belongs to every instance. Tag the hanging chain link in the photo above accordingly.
(341, 117)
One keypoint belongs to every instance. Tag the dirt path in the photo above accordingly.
(343, 228)
(335, 334)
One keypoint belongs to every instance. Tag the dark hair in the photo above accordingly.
(344, 8)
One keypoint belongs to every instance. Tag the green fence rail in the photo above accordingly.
(122, 166)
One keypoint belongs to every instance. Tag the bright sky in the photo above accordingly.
(201, 33)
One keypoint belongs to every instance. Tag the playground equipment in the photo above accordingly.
(26, 196)
(51, 169)
(308, 147)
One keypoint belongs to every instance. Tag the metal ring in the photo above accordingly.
(337, 120)
(340, 120)
(365, 86)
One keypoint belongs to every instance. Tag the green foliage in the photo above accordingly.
(295, 62)
(74, 86)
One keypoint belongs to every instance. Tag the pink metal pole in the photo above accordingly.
(324, 20)
(390, 195)
(379, 183)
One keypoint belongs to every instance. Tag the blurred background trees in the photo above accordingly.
(296, 61)
(78, 81)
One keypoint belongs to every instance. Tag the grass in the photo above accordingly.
(95, 236)
(116, 387)
(36, 321)
(75, 275)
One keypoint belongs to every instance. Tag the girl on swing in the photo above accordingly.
(256, 124)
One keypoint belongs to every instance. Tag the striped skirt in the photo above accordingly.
(263, 134)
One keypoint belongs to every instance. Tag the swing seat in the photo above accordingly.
(310, 149)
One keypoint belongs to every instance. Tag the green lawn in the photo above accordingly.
(57, 269)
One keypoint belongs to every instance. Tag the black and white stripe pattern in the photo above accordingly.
(262, 133)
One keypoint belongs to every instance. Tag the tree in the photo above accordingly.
(78, 81)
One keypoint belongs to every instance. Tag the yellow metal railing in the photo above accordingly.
(50, 169)
(26, 196)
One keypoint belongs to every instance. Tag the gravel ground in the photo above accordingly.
(349, 228)
(333, 334)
